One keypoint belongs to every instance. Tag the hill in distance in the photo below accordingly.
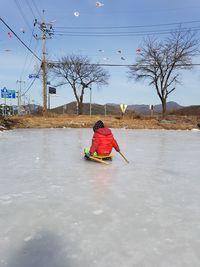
(188, 111)
(113, 109)
(145, 109)
(97, 109)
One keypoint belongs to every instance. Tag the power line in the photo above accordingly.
(26, 58)
(28, 4)
(147, 33)
(133, 26)
(31, 84)
(22, 14)
(19, 39)
(36, 8)
(124, 33)
(125, 65)
(129, 32)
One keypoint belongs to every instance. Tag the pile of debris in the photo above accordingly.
(5, 124)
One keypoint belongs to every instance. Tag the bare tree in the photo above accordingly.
(79, 73)
(161, 62)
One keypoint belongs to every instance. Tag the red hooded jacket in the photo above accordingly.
(103, 142)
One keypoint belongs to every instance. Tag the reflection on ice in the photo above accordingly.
(57, 209)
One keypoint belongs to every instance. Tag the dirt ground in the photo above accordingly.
(84, 121)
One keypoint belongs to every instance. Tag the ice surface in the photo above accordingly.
(58, 210)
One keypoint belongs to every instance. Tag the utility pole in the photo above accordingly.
(44, 72)
(105, 110)
(91, 100)
(19, 99)
(47, 32)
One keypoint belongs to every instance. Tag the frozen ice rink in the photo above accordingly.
(58, 210)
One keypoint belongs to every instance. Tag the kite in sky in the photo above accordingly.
(76, 14)
(122, 58)
(100, 50)
(119, 51)
(99, 4)
(10, 34)
(138, 55)
(22, 30)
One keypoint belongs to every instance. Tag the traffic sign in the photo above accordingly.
(11, 94)
(123, 108)
(52, 90)
(33, 76)
(6, 93)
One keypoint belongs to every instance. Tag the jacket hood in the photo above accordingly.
(98, 124)
(103, 131)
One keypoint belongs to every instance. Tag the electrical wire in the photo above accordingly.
(26, 58)
(133, 26)
(22, 14)
(130, 32)
(29, 6)
(32, 34)
(31, 84)
(126, 65)
(108, 33)
(36, 8)
(19, 38)
(147, 33)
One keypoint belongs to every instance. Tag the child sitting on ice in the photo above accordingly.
(102, 141)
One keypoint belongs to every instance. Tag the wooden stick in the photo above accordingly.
(99, 160)
(123, 156)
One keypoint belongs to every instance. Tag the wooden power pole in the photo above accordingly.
(47, 32)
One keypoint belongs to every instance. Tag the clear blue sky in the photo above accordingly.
(16, 62)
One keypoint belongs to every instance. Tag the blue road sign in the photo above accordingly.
(33, 76)
(5, 93)
(11, 94)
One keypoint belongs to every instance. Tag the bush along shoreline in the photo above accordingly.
(86, 121)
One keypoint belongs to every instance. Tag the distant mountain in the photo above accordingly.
(112, 109)
(171, 106)
(188, 111)
(97, 109)
(144, 109)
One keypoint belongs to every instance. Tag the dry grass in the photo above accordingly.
(84, 121)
